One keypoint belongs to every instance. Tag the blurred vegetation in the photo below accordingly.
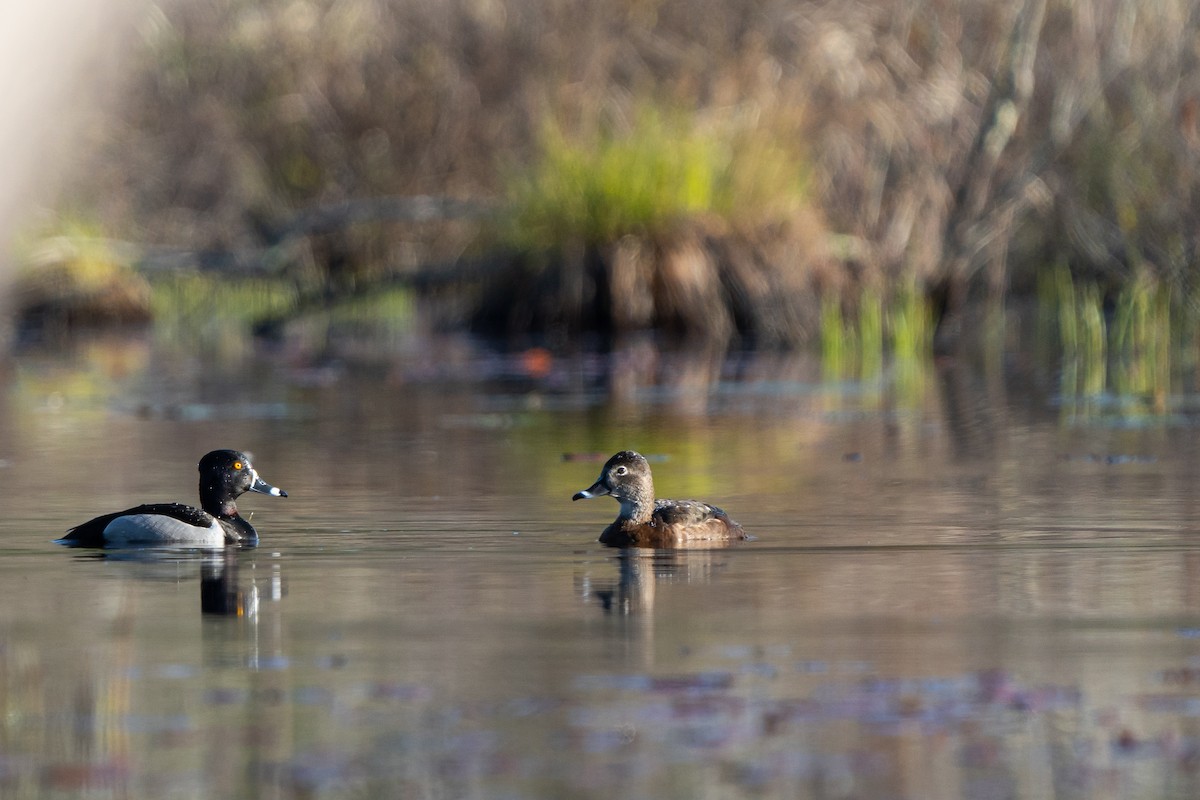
(193, 309)
(1130, 345)
(74, 278)
(874, 332)
(661, 221)
(769, 171)
(646, 178)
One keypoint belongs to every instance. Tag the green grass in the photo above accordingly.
(642, 180)
(837, 343)
(211, 311)
(76, 251)
(219, 313)
(383, 319)
(1141, 336)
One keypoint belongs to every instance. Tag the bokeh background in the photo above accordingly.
(862, 176)
(906, 286)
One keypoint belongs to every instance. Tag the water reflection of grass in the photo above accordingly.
(1119, 349)
(880, 330)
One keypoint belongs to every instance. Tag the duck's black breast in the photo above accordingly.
(163, 522)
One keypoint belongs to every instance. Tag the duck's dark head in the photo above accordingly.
(626, 477)
(226, 475)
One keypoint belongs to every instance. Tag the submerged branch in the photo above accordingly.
(421, 208)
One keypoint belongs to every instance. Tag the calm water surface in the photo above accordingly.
(960, 587)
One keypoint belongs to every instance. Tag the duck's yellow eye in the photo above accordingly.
(237, 465)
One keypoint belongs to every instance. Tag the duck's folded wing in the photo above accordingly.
(698, 520)
(685, 512)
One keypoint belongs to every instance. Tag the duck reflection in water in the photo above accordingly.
(641, 571)
(644, 521)
(223, 593)
(224, 590)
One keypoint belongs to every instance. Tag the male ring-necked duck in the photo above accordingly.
(646, 522)
(224, 476)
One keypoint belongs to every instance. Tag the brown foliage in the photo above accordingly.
(936, 128)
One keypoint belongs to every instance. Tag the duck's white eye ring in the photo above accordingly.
(622, 470)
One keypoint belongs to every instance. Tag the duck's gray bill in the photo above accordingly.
(262, 487)
(595, 490)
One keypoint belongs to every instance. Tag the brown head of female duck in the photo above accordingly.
(646, 522)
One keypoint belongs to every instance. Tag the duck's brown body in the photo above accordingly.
(646, 522)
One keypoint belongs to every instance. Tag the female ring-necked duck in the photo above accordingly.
(646, 522)
(225, 475)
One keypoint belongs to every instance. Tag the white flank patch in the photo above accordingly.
(159, 528)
